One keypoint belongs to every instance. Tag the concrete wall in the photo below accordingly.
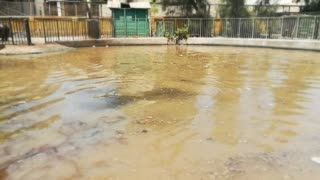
(263, 43)
(313, 45)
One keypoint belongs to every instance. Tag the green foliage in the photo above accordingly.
(179, 35)
(188, 7)
(154, 8)
(312, 5)
(170, 37)
(234, 8)
(182, 33)
(265, 11)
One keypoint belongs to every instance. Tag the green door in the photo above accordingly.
(130, 22)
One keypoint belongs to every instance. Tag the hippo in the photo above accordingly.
(4, 32)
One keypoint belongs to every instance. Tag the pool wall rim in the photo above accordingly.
(296, 44)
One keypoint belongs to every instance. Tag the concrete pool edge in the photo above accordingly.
(313, 45)
(13, 50)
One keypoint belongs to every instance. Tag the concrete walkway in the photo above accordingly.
(35, 49)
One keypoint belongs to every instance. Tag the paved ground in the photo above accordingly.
(35, 49)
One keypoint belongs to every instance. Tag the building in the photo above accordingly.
(213, 6)
(78, 8)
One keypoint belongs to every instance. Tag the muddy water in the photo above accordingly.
(160, 113)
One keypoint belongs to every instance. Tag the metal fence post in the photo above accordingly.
(253, 28)
(27, 28)
(213, 26)
(58, 30)
(163, 27)
(267, 32)
(146, 27)
(72, 29)
(239, 30)
(75, 9)
(12, 36)
(137, 24)
(44, 32)
(314, 26)
(226, 27)
(298, 22)
(200, 27)
(8, 9)
(125, 22)
(282, 24)
(175, 24)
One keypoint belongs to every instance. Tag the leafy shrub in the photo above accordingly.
(179, 35)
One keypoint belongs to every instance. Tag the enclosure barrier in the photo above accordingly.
(14, 31)
(53, 29)
(286, 27)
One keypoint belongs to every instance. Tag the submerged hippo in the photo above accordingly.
(4, 32)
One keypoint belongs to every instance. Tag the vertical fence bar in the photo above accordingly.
(253, 28)
(239, 28)
(200, 28)
(282, 24)
(163, 27)
(44, 31)
(27, 28)
(12, 35)
(8, 9)
(57, 23)
(72, 29)
(75, 9)
(175, 24)
(314, 27)
(146, 26)
(137, 24)
(297, 26)
(267, 28)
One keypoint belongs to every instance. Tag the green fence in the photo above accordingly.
(286, 27)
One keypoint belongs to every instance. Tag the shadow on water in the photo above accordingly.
(115, 101)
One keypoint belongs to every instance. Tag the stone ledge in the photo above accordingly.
(313, 45)
(297, 44)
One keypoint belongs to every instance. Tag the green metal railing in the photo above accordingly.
(287, 27)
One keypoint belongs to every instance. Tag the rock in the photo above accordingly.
(145, 131)
(209, 139)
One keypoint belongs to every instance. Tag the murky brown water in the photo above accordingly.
(160, 113)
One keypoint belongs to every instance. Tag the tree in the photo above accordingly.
(233, 8)
(264, 10)
(200, 7)
(311, 6)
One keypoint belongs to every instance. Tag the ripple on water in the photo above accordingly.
(179, 112)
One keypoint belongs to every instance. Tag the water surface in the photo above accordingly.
(160, 113)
